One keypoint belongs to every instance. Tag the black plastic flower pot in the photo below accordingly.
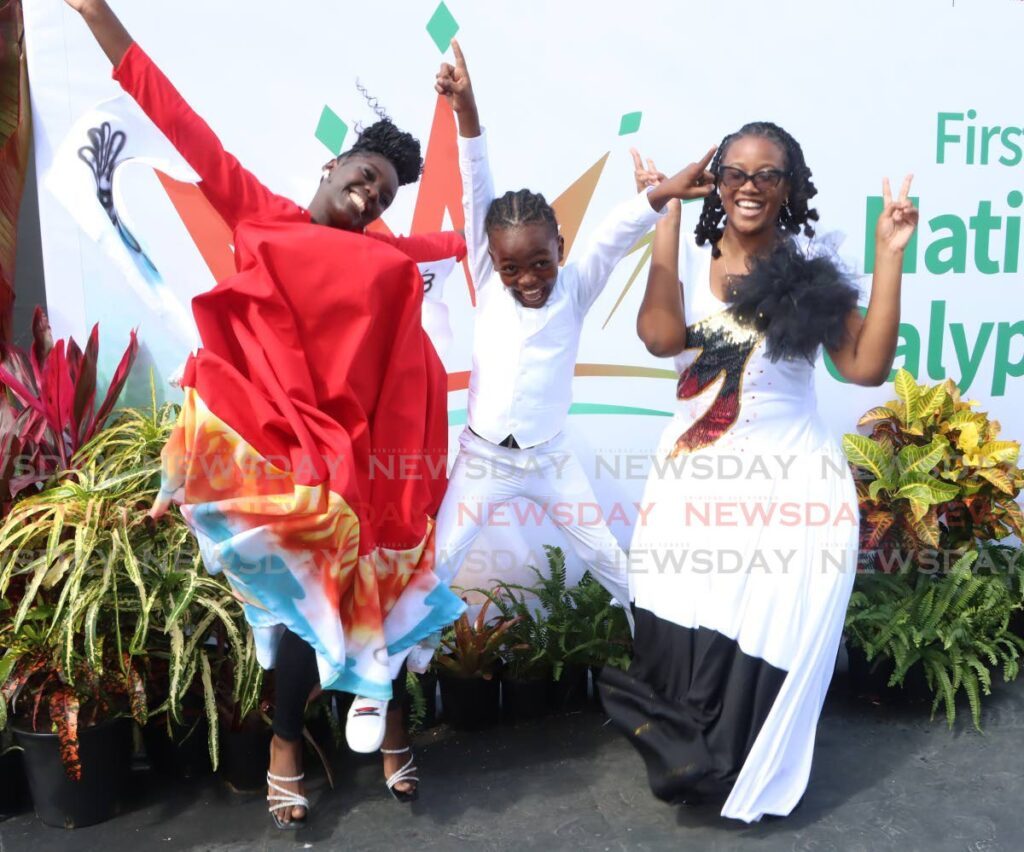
(595, 693)
(469, 703)
(569, 692)
(182, 751)
(245, 757)
(105, 751)
(14, 797)
(522, 700)
(871, 679)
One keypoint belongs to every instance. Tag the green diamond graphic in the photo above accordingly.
(630, 123)
(331, 130)
(442, 27)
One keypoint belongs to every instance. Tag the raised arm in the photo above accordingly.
(477, 185)
(425, 248)
(618, 233)
(234, 192)
(661, 322)
(870, 348)
(106, 28)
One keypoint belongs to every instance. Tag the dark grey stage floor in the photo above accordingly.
(884, 778)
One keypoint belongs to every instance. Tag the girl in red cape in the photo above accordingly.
(309, 458)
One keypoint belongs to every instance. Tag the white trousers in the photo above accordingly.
(486, 477)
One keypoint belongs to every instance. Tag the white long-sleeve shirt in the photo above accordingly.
(524, 358)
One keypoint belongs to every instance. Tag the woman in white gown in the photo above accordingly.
(741, 573)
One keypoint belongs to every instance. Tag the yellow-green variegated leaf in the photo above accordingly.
(969, 438)
(914, 459)
(869, 455)
(998, 452)
(999, 478)
(210, 703)
(176, 665)
(875, 487)
(918, 509)
(960, 418)
(932, 401)
(30, 593)
(917, 494)
(926, 528)
(909, 393)
(1014, 517)
(873, 415)
(937, 490)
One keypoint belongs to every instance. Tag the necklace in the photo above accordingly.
(728, 273)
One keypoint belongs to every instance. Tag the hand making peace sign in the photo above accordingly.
(899, 218)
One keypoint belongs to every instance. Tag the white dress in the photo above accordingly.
(740, 574)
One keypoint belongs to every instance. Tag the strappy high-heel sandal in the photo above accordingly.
(406, 773)
(284, 798)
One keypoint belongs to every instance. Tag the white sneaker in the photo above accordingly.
(364, 727)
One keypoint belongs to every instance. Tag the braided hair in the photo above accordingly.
(522, 207)
(793, 216)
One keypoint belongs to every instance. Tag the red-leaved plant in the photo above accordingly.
(48, 405)
(39, 681)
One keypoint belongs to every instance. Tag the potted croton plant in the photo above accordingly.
(938, 489)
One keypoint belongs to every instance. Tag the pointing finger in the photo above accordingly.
(460, 60)
(703, 163)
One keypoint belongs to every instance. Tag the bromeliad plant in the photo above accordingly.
(48, 405)
(936, 475)
(103, 594)
(471, 649)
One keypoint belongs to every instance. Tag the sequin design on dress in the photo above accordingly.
(725, 348)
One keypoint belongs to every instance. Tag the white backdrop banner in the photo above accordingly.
(870, 89)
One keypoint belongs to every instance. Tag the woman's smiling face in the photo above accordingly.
(753, 205)
(357, 189)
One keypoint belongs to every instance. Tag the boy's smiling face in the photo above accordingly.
(526, 258)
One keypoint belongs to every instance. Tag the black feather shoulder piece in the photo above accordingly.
(798, 302)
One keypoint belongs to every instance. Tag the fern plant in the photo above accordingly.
(955, 625)
(603, 626)
(557, 625)
(417, 715)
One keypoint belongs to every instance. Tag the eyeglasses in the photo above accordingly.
(733, 178)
